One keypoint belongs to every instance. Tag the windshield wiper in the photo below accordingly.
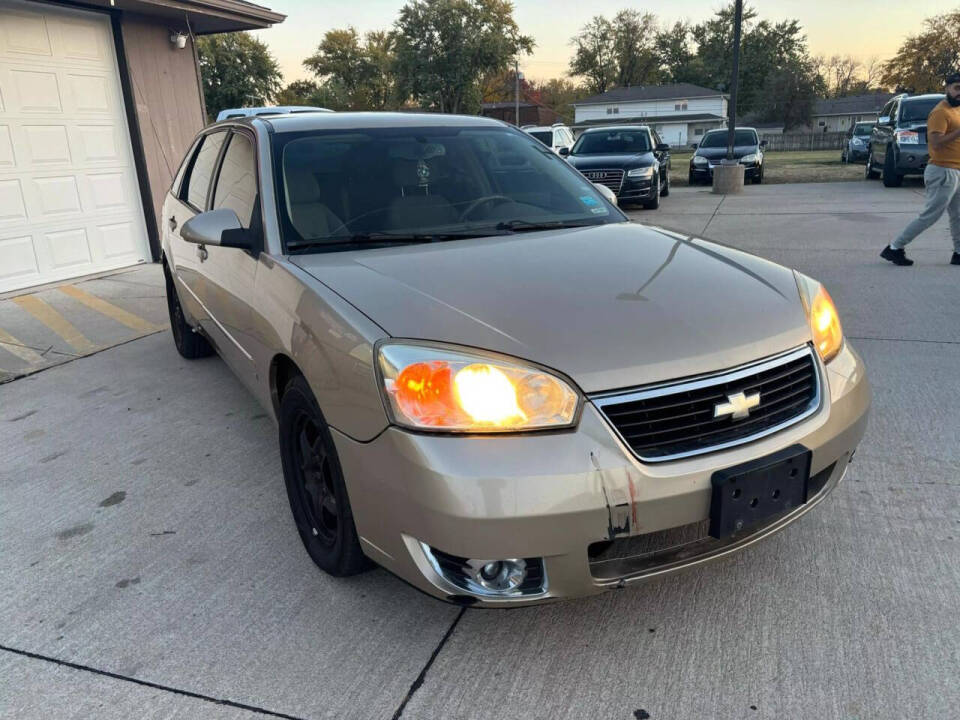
(383, 239)
(531, 226)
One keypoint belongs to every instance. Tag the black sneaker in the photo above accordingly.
(955, 259)
(897, 257)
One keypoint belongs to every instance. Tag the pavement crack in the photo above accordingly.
(155, 686)
(715, 211)
(415, 685)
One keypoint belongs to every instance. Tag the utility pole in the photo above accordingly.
(516, 91)
(735, 80)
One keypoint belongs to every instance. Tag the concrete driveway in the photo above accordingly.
(150, 567)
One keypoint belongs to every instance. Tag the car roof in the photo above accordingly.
(608, 128)
(538, 128)
(738, 127)
(300, 122)
(925, 96)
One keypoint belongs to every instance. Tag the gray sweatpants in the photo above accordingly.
(943, 194)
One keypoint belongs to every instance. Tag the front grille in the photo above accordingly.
(681, 420)
(612, 178)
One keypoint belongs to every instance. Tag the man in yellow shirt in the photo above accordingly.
(941, 177)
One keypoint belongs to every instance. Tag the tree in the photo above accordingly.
(355, 75)
(299, 92)
(237, 71)
(635, 48)
(790, 92)
(444, 47)
(678, 60)
(558, 94)
(924, 60)
(593, 55)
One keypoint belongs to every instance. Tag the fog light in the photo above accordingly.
(485, 577)
(499, 575)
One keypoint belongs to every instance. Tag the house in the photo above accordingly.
(840, 114)
(680, 113)
(99, 101)
(530, 113)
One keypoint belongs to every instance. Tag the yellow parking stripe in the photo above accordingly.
(9, 343)
(134, 322)
(49, 316)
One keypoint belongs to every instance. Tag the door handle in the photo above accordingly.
(201, 253)
(173, 222)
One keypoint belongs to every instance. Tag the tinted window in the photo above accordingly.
(887, 109)
(719, 138)
(546, 137)
(237, 183)
(445, 181)
(917, 110)
(613, 142)
(201, 173)
(863, 129)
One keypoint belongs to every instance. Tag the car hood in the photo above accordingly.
(589, 162)
(719, 153)
(611, 306)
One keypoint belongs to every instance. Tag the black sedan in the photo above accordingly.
(630, 160)
(747, 150)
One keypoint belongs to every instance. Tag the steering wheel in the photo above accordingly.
(497, 199)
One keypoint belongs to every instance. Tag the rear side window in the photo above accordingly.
(201, 172)
(237, 182)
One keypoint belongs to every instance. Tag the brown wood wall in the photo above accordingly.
(166, 95)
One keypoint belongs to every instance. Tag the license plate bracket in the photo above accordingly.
(747, 494)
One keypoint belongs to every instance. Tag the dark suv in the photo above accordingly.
(898, 143)
(630, 160)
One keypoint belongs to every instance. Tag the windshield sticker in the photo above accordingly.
(598, 211)
(589, 200)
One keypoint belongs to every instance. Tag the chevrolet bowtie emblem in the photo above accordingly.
(738, 406)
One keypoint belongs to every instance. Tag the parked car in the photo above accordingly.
(486, 379)
(712, 149)
(231, 113)
(898, 142)
(557, 137)
(631, 160)
(856, 146)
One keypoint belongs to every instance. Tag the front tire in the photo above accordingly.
(665, 190)
(891, 178)
(315, 486)
(758, 176)
(190, 344)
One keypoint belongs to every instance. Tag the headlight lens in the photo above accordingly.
(643, 172)
(752, 157)
(699, 160)
(427, 387)
(857, 141)
(823, 317)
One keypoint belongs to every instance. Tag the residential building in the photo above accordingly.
(680, 113)
(99, 101)
(841, 114)
(530, 113)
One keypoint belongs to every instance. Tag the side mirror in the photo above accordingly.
(663, 147)
(763, 143)
(564, 151)
(883, 120)
(694, 145)
(608, 194)
(217, 227)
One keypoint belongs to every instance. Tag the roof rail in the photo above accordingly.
(524, 127)
(558, 124)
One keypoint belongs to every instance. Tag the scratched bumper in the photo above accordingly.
(554, 495)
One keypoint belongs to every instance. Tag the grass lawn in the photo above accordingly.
(786, 167)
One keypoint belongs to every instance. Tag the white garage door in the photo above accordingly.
(69, 199)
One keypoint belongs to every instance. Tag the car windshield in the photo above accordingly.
(917, 110)
(612, 142)
(340, 188)
(862, 129)
(718, 139)
(546, 137)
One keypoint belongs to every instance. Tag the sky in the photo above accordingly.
(860, 28)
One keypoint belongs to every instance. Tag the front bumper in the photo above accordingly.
(912, 159)
(635, 190)
(554, 495)
(705, 172)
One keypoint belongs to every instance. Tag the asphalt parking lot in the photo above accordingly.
(150, 567)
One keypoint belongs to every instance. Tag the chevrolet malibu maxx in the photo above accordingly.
(485, 378)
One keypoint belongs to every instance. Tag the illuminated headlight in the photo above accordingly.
(642, 172)
(907, 137)
(824, 321)
(700, 160)
(431, 387)
(751, 158)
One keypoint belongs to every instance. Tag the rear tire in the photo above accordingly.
(190, 344)
(869, 173)
(315, 486)
(665, 190)
(654, 202)
(891, 178)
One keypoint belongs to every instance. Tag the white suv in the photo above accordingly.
(558, 137)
